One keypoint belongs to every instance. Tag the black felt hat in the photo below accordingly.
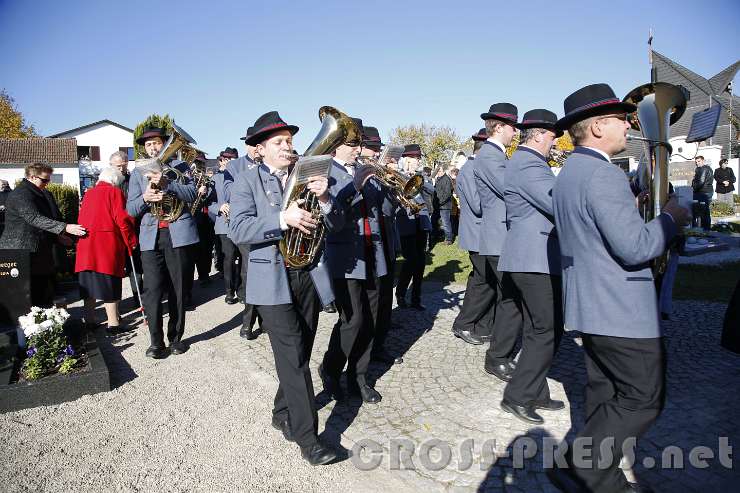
(590, 101)
(371, 137)
(481, 135)
(250, 130)
(411, 150)
(200, 156)
(151, 132)
(229, 153)
(265, 125)
(506, 112)
(540, 118)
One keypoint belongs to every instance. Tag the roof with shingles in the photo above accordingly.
(38, 149)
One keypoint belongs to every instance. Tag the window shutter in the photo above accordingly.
(94, 153)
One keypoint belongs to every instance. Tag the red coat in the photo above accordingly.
(111, 234)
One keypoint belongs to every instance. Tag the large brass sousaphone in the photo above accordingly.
(299, 249)
(659, 105)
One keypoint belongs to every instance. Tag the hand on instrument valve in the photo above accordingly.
(362, 174)
(224, 209)
(203, 189)
(680, 215)
(319, 185)
(296, 217)
(152, 195)
(641, 198)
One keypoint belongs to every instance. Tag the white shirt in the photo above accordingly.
(600, 152)
(343, 164)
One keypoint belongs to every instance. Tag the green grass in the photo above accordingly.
(449, 264)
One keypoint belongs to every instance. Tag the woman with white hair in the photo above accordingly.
(102, 253)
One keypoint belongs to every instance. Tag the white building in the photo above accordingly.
(61, 154)
(96, 142)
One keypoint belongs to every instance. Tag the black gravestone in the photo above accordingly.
(15, 286)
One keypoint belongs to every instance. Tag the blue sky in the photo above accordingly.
(216, 66)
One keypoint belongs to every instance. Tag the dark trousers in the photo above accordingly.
(507, 324)
(139, 280)
(291, 329)
(250, 315)
(218, 254)
(204, 250)
(232, 278)
(42, 290)
(165, 269)
(413, 248)
(445, 216)
(352, 336)
(385, 307)
(541, 300)
(624, 396)
(479, 305)
(706, 217)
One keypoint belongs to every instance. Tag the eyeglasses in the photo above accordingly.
(43, 180)
(621, 116)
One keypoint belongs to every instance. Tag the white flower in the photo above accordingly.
(36, 309)
(31, 330)
(24, 320)
(47, 324)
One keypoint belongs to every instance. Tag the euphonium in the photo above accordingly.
(299, 249)
(170, 208)
(659, 105)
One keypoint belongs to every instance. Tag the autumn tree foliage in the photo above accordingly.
(12, 123)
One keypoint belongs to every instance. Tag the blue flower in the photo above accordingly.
(61, 358)
(69, 351)
(31, 351)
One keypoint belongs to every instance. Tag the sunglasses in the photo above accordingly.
(43, 180)
(622, 116)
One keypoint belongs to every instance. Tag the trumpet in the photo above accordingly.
(403, 188)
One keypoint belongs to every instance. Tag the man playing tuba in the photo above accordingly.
(166, 247)
(286, 298)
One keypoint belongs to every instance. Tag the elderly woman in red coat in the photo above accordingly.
(102, 253)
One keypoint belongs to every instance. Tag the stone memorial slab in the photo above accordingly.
(15, 286)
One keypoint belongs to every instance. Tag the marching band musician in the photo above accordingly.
(220, 210)
(490, 165)
(531, 256)
(474, 323)
(287, 298)
(605, 249)
(206, 233)
(371, 146)
(413, 232)
(358, 263)
(233, 170)
(166, 248)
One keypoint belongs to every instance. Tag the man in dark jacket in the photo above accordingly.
(33, 223)
(4, 192)
(443, 190)
(703, 190)
(725, 179)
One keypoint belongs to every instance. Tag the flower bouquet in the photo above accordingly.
(47, 351)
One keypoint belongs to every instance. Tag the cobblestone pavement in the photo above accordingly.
(441, 392)
(221, 389)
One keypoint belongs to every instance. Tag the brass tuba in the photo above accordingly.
(403, 188)
(659, 105)
(170, 208)
(299, 249)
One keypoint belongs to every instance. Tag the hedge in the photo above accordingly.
(68, 200)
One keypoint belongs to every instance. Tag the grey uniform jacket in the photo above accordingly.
(219, 220)
(470, 210)
(183, 232)
(605, 249)
(531, 243)
(255, 204)
(345, 248)
(489, 169)
(406, 225)
(234, 168)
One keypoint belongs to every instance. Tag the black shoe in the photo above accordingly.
(384, 357)
(565, 480)
(156, 352)
(330, 308)
(178, 347)
(418, 306)
(284, 426)
(368, 394)
(231, 299)
(502, 372)
(485, 339)
(318, 454)
(331, 385)
(247, 333)
(524, 413)
(550, 405)
(401, 303)
(468, 337)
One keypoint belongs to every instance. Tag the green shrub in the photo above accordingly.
(736, 199)
(721, 209)
(68, 200)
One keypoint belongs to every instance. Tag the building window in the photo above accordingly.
(90, 152)
(129, 151)
(57, 178)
